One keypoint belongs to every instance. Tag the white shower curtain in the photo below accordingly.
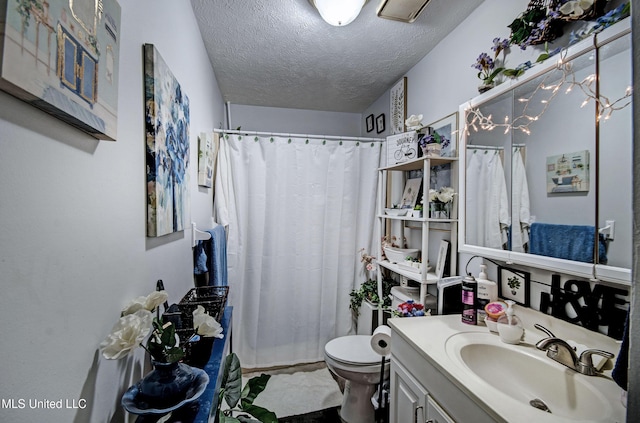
(298, 211)
(487, 210)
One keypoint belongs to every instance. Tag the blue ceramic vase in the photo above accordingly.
(167, 384)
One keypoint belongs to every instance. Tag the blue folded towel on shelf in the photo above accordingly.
(570, 242)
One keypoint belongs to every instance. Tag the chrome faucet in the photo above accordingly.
(559, 350)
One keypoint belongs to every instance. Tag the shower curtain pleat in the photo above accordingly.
(298, 213)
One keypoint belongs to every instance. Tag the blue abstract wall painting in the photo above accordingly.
(167, 147)
(62, 57)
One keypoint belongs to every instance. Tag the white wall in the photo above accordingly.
(295, 121)
(72, 219)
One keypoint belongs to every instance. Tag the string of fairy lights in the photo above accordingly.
(477, 120)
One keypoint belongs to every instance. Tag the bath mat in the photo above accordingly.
(299, 393)
(330, 415)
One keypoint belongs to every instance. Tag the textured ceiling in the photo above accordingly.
(280, 53)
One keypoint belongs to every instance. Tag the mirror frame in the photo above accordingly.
(584, 270)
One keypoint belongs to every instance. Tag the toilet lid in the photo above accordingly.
(353, 349)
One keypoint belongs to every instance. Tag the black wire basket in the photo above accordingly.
(212, 298)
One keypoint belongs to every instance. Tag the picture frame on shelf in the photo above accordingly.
(514, 285)
(447, 129)
(380, 123)
(398, 107)
(410, 193)
(443, 253)
(370, 123)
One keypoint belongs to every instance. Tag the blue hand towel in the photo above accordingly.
(217, 257)
(199, 259)
(619, 372)
(570, 242)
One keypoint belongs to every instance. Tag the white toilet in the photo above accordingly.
(353, 359)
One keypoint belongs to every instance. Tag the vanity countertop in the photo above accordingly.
(431, 338)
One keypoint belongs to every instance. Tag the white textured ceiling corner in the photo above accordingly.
(280, 53)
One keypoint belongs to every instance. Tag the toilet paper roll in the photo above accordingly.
(381, 340)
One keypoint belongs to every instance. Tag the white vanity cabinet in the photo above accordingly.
(410, 402)
(421, 393)
(409, 398)
(421, 229)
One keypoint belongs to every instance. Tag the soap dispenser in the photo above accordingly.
(510, 326)
(487, 293)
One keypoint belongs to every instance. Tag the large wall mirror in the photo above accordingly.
(547, 171)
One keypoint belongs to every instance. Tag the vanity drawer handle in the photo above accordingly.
(415, 413)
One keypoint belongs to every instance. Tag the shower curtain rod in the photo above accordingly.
(275, 134)
(491, 147)
(484, 147)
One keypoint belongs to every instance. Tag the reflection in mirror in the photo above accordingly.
(615, 153)
(528, 183)
(487, 216)
(552, 199)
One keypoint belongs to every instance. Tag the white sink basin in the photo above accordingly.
(525, 374)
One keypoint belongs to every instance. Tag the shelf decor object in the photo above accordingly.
(398, 107)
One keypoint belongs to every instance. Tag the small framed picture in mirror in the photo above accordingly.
(514, 285)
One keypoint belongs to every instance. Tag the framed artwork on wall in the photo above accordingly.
(62, 57)
(380, 123)
(167, 147)
(514, 285)
(369, 123)
(447, 130)
(207, 151)
(568, 172)
(398, 108)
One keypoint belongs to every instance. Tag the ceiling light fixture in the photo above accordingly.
(338, 12)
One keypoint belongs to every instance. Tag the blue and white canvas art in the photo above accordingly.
(167, 146)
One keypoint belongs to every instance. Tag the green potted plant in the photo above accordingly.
(241, 400)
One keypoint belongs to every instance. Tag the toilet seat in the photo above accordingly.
(353, 350)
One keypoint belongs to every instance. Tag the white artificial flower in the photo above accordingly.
(206, 325)
(568, 8)
(585, 4)
(414, 122)
(155, 299)
(150, 302)
(446, 194)
(135, 305)
(433, 195)
(128, 332)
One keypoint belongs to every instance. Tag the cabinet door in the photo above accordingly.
(435, 413)
(408, 397)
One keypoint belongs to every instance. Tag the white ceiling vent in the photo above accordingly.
(401, 10)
